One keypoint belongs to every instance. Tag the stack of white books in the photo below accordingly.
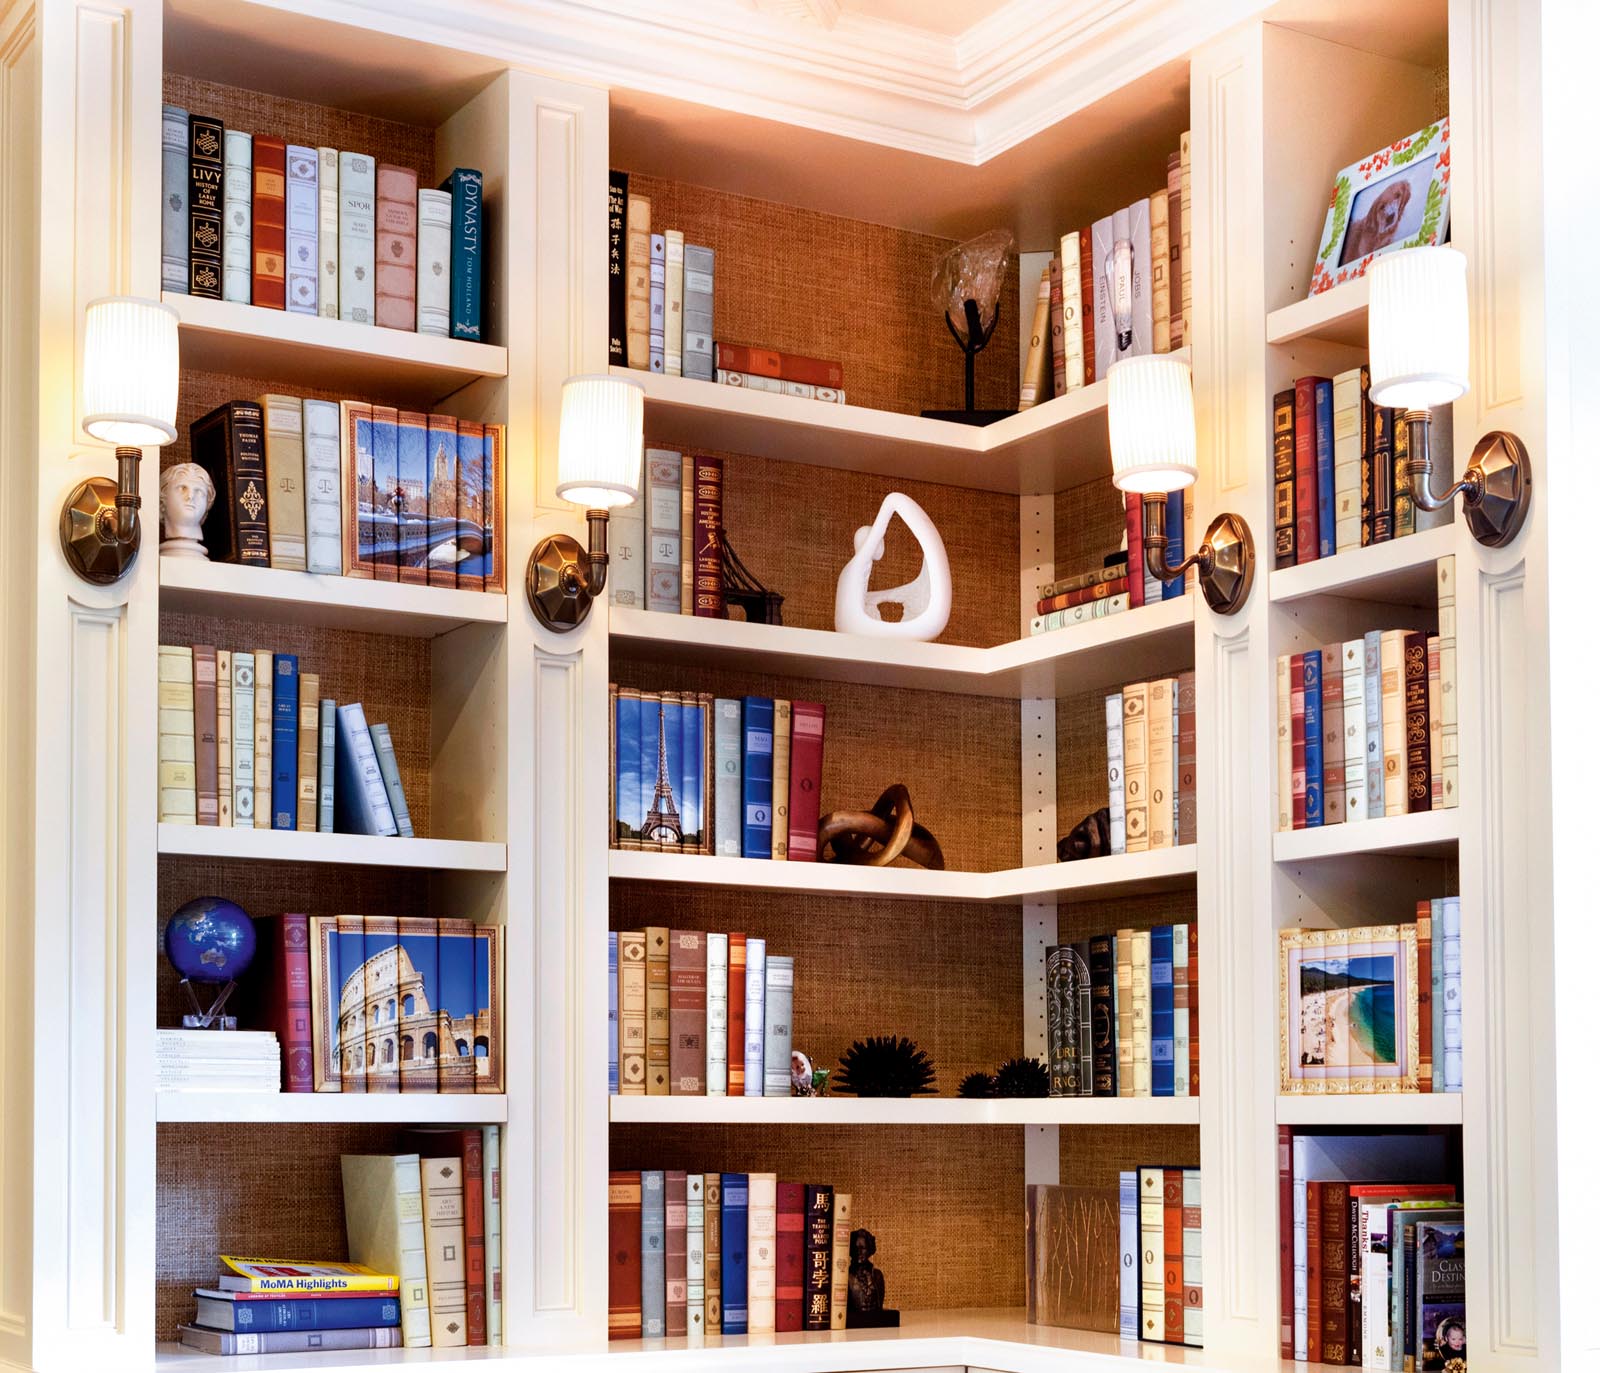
(217, 1061)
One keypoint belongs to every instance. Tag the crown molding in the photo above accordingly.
(965, 99)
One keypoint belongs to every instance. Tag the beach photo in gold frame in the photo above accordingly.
(1347, 1004)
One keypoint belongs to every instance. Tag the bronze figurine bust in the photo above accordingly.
(865, 1309)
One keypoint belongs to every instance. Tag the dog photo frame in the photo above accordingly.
(1398, 197)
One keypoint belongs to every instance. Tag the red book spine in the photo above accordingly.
(686, 1012)
(736, 957)
(1314, 1272)
(707, 568)
(1067, 599)
(768, 362)
(1133, 508)
(677, 1253)
(1419, 780)
(1306, 543)
(1086, 308)
(624, 1316)
(791, 1255)
(1285, 1242)
(805, 783)
(477, 1259)
(1194, 1009)
(1172, 1254)
(1425, 996)
(267, 243)
(395, 252)
(1297, 737)
(288, 942)
(1333, 795)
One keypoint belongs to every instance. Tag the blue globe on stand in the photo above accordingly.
(210, 939)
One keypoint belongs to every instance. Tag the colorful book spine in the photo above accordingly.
(713, 1252)
(1152, 1255)
(1072, 303)
(624, 1312)
(1307, 540)
(244, 742)
(653, 1253)
(1435, 727)
(1143, 1003)
(361, 801)
(205, 734)
(389, 767)
(1283, 473)
(268, 223)
(1033, 370)
(1102, 995)
(613, 1014)
(807, 719)
(755, 1016)
(728, 757)
(434, 220)
(328, 233)
(1160, 279)
(756, 769)
(1061, 1029)
(631, 1012)
(762, 1265)
(386, 478)
(735, 1253)
(174, 198)
(1285, 743)
(1352, 667)
(1058, 331)
(699, 331)
(1372, 699)
(737, 995)
(300, 229)
(230, 444)
(1322, 420)
(1123, 997)
(658, 303)
(465, 185)
(206, 205)
(1162, 1049)
(706, 531)
(1405, 510)
(1383, 493)
(1333, 784)
(1133, 514)
(395, 252)
(238, 178)
(1160, 762)
(1180, 1011)
(285, 739)
(1349, 400)
(782, 735)
(686, 993)
(1186, 827)
(677, 1252)
(790, 1258)
(658, 1011)
(1418, 767)
(224, 737)
(358, 208)
(241, 1313)
(716, 1015)
(1311, 677)
(1394, 721)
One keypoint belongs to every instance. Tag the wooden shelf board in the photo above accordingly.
(844, 1110)
(1399, 572)
(1051, 446)
(195, 586)
(1086, 657)
(1371, 1108)
(1335, 316)
(312, 1108)
(1090, 878)
(364, 850)
(1430, 833)
(245, 340)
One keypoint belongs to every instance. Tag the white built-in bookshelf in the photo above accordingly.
(1277, 101)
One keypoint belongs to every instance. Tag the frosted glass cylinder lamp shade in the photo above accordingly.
(130, 371)
(1150, 415)
(602, 441)
(1417, 327)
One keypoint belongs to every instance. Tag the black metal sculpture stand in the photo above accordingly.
(975, 342)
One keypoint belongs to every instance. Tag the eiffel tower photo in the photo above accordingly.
(662, 822)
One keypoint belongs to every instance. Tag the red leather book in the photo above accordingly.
(791, 1257)
(818, 1270)
(1286, 1241)
(1086, 309)
(1133, 507)
(686, 1011)
(1425, 996)
(736, 957)
(205, 734)
(1313, 1271)
(267, 247)
(285, 944)
(624, 1312)
(1419, 780)
(1067, 599)
(1172, 1254)
(677, 1253)
(467, 1145)
(805, 784)
(1297, 737)
(1305, 470)
(768, 362)
(1194, 1009)
(1283, 521)
(707, 568)
(1335, 1272)
(395, 252)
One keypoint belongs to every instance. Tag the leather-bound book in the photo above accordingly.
(1335, 1258)
(713, 1253)
(658, 1015)
(229, 443)
(677, 1251)
(285, 942)
(768, 362)
(205, 206)
(1072, 1251)
(686, 996)
(818, 1269)
(465, 185)
(1172, 1254)
(396, 250)
(1194, 1010)
(433, 262)
(174, 198)
(791, 1257)
(1086, 281)
(1307, 541)
(1283, 498)
(806, 720)
(616, 269)
(839, 1276)
(1419, 779)
(1058, 331)
(465, 1145)
(1188, 813)
(736, 995)
(1103, 1014)
(1314, 1202)
(1382, 465)
(268, 224)
(707, 535)
(205, 734)
(735, 1257)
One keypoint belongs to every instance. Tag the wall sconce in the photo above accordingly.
(130, 398)
(1417, 339)
(597, 467)
(1150, 413)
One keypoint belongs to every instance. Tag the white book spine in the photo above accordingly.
(367, 769)
(1449, 734)
(699, 285)
(1128, 1272)
(1353, 658)
(674, 317)
(263, 728)
(358, 195)
(1347, 460)
(1102, 274)
(628, 559)
(1298, 1186)
(175, 734)
(762, 1250)
(1435, 728)
(1285, 746)
(244, 739)
(225, 738)
(433, 262)
(301, 210)
(1114, 797)
(328, 233)
(695, 1259)
(1072, 309)
(174, 198)
(1135, 766)
(1151, 1254)
(1374, 1280)
(1193, 1281)
(717, 1015)
(1450, 985)
(1161, 772)
(755, 1016)
(1141, 1013)
(491, 1234)
(236, 205)
(324, 528)
(1372, 692)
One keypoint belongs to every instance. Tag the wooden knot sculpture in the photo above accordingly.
(875, 838)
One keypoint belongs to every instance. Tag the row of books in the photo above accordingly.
(696, 1254)
(1368, 728)
(247, 741)
(1339, 469)
(1122, 1014)
(344, 487)
(680, 1000)
(1118, 289)
(1372, 1252)
(666, 550)
(256, 220)
(207, 1061)
(396, 1003)
(693, 773)
(1373, 1009)
(1150, 764)
(1161, 1294)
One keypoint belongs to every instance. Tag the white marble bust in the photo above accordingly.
(187, 494)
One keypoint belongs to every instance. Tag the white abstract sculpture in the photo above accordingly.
(187, 493)
(924, 603)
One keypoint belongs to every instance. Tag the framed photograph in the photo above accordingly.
(1399, 197)
(1347, 1002)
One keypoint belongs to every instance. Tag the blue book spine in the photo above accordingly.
(691, 800)
(728, 754)
(360, 800)
(630, 814)
(385, 481)
(1172, 588)
(285, 738)
(757, 760)
(1451, 983)
(611, 1016)
(303, 1313)
(653, 1252)
(466, 252)
(1313, 684)
(735, 1236)
(1161, 1047)
(1372, 699)
(1128, 1272)
(1323, 412)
